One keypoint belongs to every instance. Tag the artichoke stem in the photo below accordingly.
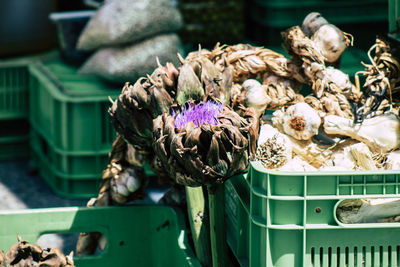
(216, 202)
(199, 224)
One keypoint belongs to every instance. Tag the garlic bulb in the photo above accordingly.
(299, 121)
(125, 183)
(312, 23)
(380, 133)
(393, 160)
(273, 149)
(255, 96)
(297, 164)
(331, 42)
(267, 131)
(334, 168)
(341, 160)
(361, 156)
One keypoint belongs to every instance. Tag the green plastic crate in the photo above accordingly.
(394, 14)
(14, 139)
(59, 169)
(363, 19)
(66, 162)
(70, 110)
(69, 174)
(281, 219)
(14, 147)
(14, 82)
(274, 13)
(142, 236)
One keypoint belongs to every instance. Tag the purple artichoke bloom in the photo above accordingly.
(199, 114)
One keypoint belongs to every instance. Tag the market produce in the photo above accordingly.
(273, 150)
(312, 22)
(332, 88)
(382, 80)
(282, 91)
(255, 96)
(205, 143)
(146, 99)
(393, 160)
(299, 121)
(362, 156)
(369, 132)
(26, 255)
(297, 164)
(328, 38)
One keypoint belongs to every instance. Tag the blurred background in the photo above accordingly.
(26, 27)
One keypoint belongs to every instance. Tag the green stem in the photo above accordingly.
(216, 201)
(199, 224)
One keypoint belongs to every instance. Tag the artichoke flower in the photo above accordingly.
(205, 143)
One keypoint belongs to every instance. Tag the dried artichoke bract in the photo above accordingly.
(24, 254)
(205, 143)
(133, 112)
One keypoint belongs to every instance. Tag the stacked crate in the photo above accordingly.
(212, 21)
(71, 132)
(363, 19)
(14, 133)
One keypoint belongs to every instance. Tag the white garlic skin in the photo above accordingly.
(312, 22)
(268, 132)
(299, 121)
(361, 156)
(380, 133)
(256, 96)
(126, 182)
(393, 160)
(340, 78)
(330, 41)
(297, 164)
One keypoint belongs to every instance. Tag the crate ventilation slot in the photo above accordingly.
(365, 256)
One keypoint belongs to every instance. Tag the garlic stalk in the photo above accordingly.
(369, 132)
(362, 156)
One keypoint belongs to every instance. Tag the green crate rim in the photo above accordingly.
(60, 92)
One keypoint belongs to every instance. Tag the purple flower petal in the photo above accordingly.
(199, 114)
